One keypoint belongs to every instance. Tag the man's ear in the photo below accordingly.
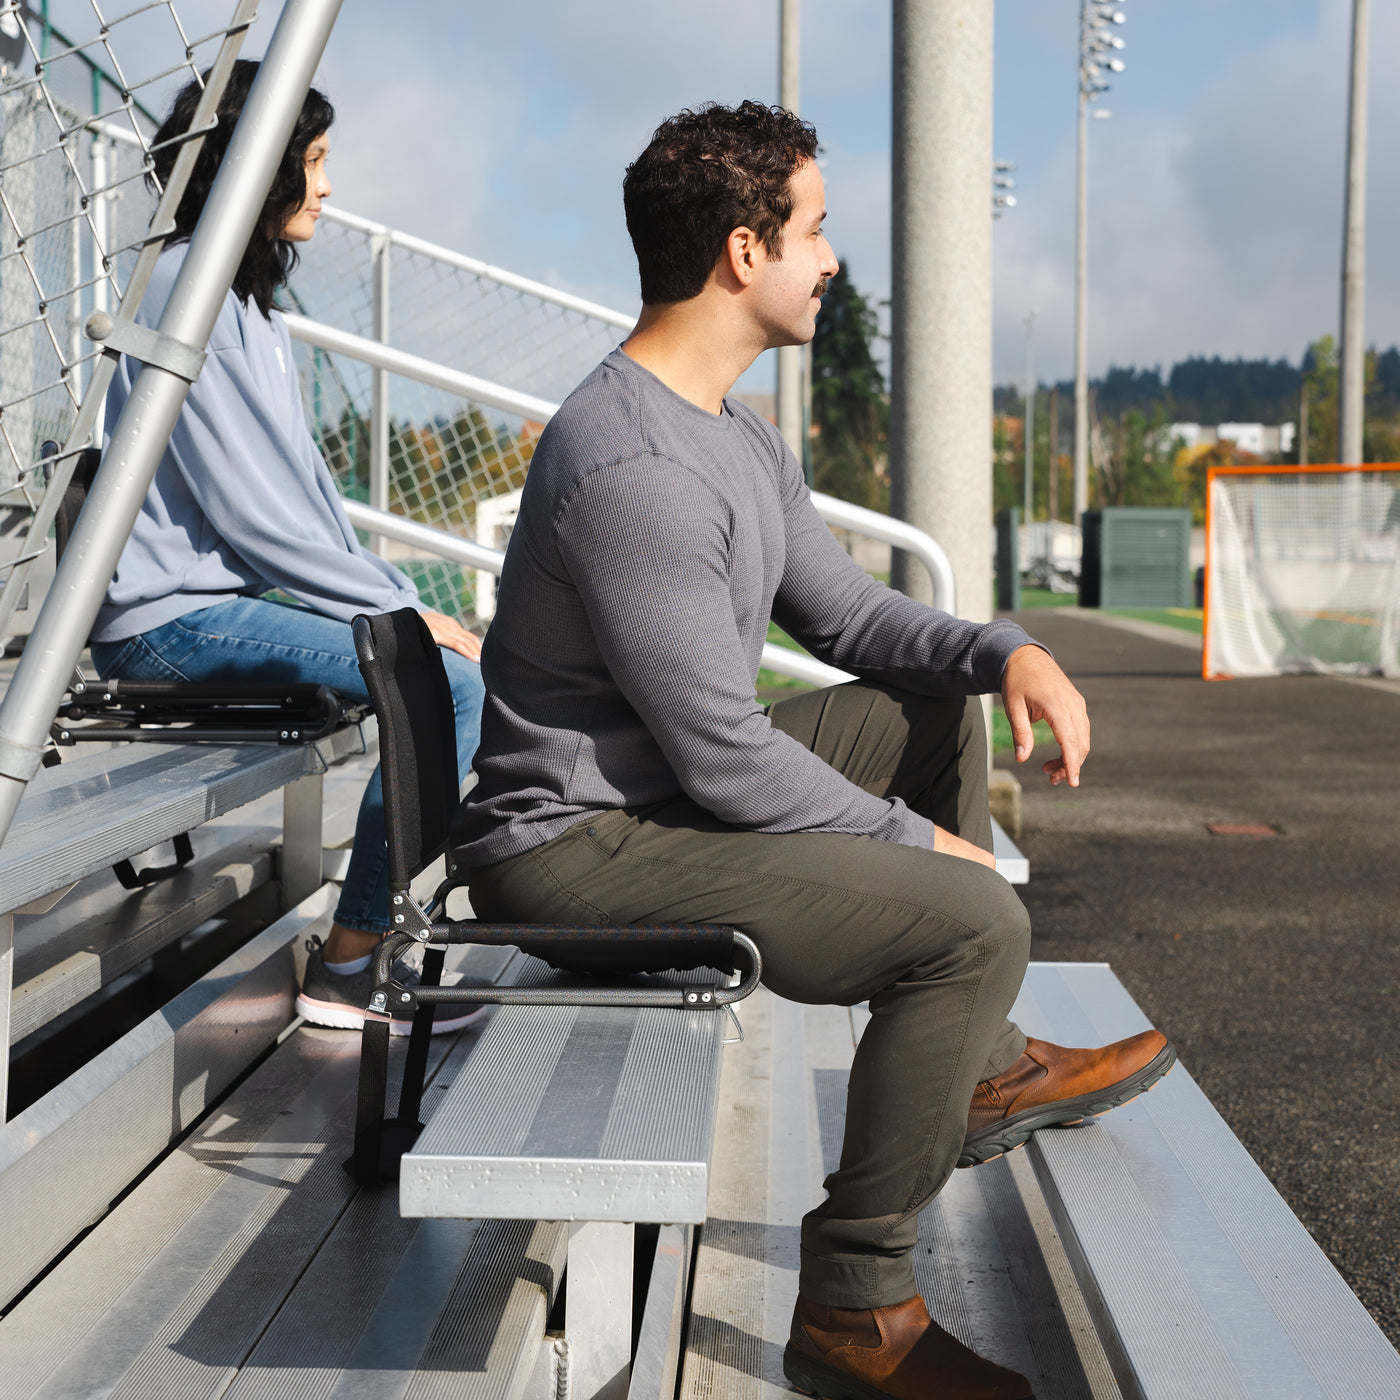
(742, 254)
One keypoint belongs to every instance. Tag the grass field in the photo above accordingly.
(1184, 619)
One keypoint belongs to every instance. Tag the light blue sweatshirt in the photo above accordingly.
(242, 501)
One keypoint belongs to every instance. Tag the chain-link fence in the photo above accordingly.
(75, 215)
(74, 206)
(436, 454)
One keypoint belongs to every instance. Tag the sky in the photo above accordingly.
(1215, 188)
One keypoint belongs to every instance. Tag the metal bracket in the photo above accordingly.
(409, 918)
(19, 761)
(144, 344)
(700, 997)
(393, 999)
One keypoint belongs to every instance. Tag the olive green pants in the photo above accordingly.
(937, 945)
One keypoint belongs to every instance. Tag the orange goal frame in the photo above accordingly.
(1260, 469)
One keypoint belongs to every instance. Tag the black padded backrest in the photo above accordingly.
(408, 687)
(89, 459)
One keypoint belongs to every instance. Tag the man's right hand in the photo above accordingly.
(946, 844)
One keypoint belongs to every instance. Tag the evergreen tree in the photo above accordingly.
(850, 407)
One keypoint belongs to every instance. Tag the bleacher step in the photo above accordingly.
(576, 1113)
(1201, 1279)
(71, 1153)
(248, 1264)
(989, 1261)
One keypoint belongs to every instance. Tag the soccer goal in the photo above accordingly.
(1302, 570)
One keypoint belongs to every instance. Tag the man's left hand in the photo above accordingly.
(1033, 687)
(448, 632)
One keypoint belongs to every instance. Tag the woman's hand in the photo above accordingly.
(449, 633)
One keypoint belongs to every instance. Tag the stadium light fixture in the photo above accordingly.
(1097, 47)
(1002, 181)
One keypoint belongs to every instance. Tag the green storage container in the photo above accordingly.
(1136, 557)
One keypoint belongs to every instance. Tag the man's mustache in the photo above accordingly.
(820, 289)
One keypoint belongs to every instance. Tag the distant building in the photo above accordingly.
(1258, 439)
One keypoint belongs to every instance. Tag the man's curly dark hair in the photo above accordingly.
(268, 261)
(704, 174)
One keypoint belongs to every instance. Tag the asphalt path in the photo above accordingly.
(1273, 963)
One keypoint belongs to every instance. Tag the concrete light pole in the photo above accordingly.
(1352, 370)
(1096, 48)
(1029, 426)
(790, 405)
(941, 321)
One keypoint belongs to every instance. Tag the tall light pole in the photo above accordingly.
(1029, 425)
(941, 312)
(1352, 372)
(789, 405)
(1097, 44)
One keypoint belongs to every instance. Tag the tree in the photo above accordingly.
(1192, 464)
(1320, 379)
(850, 406)
(1135, 461)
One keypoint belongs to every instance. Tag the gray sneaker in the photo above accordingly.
(333, 999)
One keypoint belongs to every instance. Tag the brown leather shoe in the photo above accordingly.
(1051, 1085)
(879, 1353)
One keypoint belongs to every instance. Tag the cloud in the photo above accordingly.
(1215, 196)
(1215, 229)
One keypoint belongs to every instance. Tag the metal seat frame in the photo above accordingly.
(408, 686)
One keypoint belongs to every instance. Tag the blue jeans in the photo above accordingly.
(251, 639)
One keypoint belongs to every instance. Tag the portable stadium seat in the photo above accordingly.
(598, 965)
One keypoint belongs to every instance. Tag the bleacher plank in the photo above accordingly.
(1201, 1279)
(575, 1113)
(1011, 863)
(989, 1261)
(99, 808)
(67, 1156)
(248, 1263)
(99, 931)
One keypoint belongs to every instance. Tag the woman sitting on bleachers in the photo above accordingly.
(243, 505)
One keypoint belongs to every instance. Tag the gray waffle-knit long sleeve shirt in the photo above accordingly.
(654, 542)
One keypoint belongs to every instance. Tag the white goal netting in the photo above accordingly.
(1303, 571)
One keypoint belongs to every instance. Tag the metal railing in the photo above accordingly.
(434, 409)
(402, 426)
(423, 539)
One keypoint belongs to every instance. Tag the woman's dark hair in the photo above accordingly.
(704, 174)
(268, 260)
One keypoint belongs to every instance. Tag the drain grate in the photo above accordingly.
(1241, 829)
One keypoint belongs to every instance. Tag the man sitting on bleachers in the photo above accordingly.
(629, 774)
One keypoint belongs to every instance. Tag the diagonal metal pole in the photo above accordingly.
(141, 434)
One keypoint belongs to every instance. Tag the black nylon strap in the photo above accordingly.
(369, 1107)
(132, 879)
